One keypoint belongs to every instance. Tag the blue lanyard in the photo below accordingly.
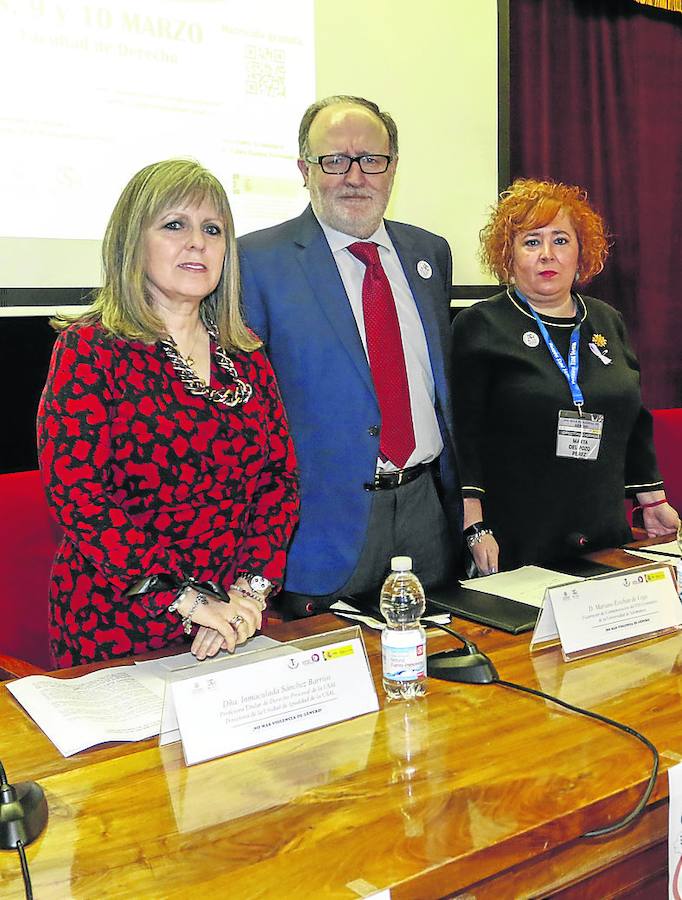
(570, 371)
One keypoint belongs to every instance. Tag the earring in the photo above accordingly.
(576, 277)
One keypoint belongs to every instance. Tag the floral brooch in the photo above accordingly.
(598, 347)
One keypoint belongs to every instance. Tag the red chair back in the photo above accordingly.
(668, 441)
(29, 538)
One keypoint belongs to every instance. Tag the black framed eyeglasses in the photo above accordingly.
(340, 163)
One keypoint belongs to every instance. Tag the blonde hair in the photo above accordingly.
(122, 304)
(529, 204)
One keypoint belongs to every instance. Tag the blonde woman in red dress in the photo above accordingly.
(162, 439)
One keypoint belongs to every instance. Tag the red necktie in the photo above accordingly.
(386, 358)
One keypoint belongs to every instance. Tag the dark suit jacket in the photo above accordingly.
(294, 299)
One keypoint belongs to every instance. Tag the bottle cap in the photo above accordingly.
(401, 563)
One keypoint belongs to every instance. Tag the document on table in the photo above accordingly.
(160, 667)
(526, 585)
(114, 704)
(121, 703)
(668, 552)
(346, 611)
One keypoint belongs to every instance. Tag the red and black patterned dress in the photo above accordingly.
(147, 478)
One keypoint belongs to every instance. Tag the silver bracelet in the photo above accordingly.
(199, 600)
(476, 538)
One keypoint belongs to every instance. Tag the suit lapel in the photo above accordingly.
(326, 287)
(427, 296)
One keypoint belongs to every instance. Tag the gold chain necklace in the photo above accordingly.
(231, 396)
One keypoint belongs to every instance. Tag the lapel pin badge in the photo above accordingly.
(598, 346)
(424, 269)
(530, 339)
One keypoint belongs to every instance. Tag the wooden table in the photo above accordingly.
(472, 792)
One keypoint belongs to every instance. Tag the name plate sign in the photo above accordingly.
(597, 614)
(272, 694)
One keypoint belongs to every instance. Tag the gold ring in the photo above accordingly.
(237, 621)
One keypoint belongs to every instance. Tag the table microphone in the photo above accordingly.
(465, 664)
(23, 816)
(23, 812)
(577, 542)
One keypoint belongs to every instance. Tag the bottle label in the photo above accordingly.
(403, 655)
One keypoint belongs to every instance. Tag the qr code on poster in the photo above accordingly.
(265, 71)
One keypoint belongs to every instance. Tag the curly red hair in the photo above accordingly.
(529, 204)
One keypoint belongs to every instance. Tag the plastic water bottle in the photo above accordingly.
(403, 640)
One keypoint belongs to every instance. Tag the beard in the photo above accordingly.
(356, 217)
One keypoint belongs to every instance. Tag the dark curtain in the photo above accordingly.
(596, 100)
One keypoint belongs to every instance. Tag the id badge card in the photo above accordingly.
(579, 436)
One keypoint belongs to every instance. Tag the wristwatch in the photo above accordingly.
(259, 583)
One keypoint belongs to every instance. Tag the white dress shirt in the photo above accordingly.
(428, 441)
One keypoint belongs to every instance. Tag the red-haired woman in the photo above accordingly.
(551, 429)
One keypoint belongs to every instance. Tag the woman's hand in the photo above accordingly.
(659, 518)
(208, 642)
(486, 553)
(223, 625)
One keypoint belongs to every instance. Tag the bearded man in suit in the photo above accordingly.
(354, 313)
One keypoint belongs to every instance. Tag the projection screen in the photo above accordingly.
(94, 91)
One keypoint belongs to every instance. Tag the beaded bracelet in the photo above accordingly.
(475, 532)
(250, 594)
(477, 537)
(199, 600)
